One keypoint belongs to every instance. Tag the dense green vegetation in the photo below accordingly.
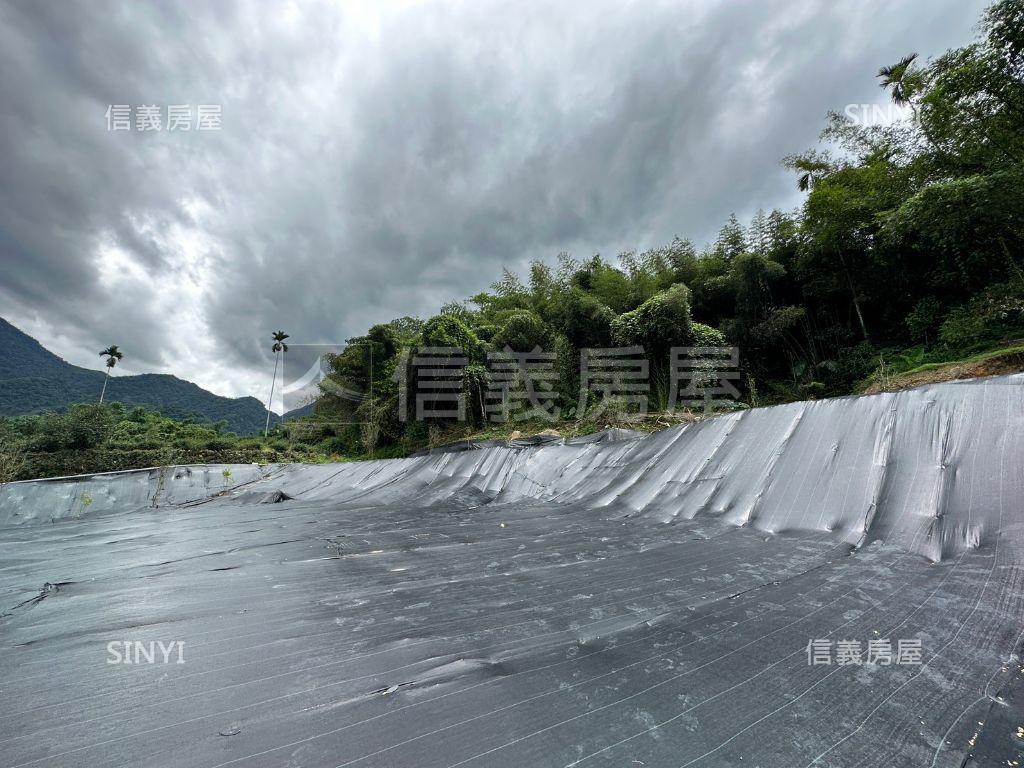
(111, 437)
(909, 238)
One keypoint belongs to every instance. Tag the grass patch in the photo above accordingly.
(914, 367)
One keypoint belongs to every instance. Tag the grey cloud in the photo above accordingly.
(378, 163)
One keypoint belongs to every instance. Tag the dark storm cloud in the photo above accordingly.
(375, 163)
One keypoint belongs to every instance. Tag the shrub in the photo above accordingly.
(523, 331)
(485, 332)
(585, 321)
(450, 331)
(12, 463)
(853, 364)
(962, 328)
(81, 428)
(661, 322)
(333, 445)
(923, 319)
(706, 336)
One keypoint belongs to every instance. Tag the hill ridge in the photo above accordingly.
(35, 380)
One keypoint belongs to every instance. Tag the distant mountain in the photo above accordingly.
(33, 380)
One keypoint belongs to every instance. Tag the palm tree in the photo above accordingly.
(278, 348)
(902, 79)
(811, 169)
(906, 83)
(113, 354)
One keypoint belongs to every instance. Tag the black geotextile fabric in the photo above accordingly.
(638, 602)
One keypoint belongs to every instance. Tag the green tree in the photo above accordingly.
(450, 331)
(731, 240)
(113, 355)
(523, 331)
(661, 322)
(279, 348)
(902, 79)
(585, 320)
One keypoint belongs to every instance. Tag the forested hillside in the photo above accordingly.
(907, 249)
(34, 380)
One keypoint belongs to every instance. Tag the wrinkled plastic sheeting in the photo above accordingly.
(918, 468)
(47, 501)
(628, 602)
(609, 435)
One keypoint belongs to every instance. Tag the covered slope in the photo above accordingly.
(634, 602)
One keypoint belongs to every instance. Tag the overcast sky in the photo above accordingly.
(378, 159)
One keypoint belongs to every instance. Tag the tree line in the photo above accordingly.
(908, 241)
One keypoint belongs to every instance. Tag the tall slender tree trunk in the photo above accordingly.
(853, 292)
(860, 315)
(104, 390)
(270, 402)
